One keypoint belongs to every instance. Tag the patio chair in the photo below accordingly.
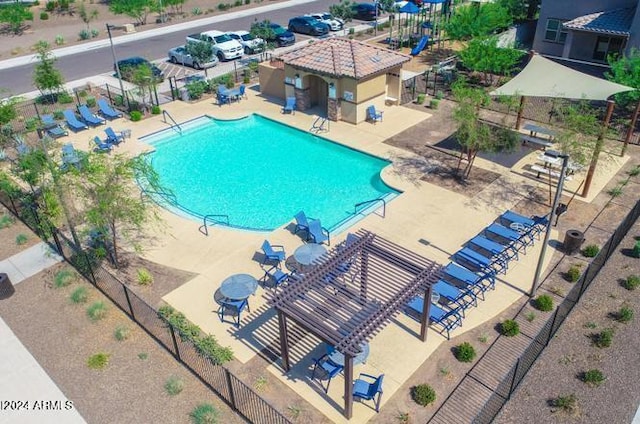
(511, 238)
(107, 111)
(446, 319)
(275, 275)
(70, 157)
(535, 225)
(101, 146)
(462, 298)
(233, 308)
(51, 127)
(369, 387)
(222, 99)
(88, 117)
(273, 252)
(504, 252)
(113, 138)
(318, 233)
(330, 369)
(290, 106)
(373, 115)
(461, 276)
(73, 122)
(302, 222)
(472, 259)
(243, 91)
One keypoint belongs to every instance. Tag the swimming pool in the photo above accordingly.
(259, 173)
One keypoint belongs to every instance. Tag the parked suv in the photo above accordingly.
(335, 24)
(308, 25)
(281, 36)
(224, 47)
(250, 43)
(129, 65)
(364, 11)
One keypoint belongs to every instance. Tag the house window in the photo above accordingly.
(606, 46)
(554, 31)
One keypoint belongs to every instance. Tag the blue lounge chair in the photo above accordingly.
(369, 387)
(234, 308)
(302, 222)
(70, 157)
(373, 115)
(461, 298)
(290, 106)
(107, 111)
(508, 236)
(474, 259)
(494, 248)
(273, 252)
(460, 276)
(101, 146)
(330, 369)
(51, 127)
(447, 320)
(317, 233)
(275, 275)
(73, 122)
(113, 137)
(89, 117)
(535, 225)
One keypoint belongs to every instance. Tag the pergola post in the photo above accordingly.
(348, 386)
(426, 310)
(632, 126)
(284, 340)
(364, 274)
(520, 113)
(598, 148)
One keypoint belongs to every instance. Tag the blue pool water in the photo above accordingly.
(260, 173)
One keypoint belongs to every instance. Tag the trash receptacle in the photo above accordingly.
(573, 239)
(184, 95)
(6, 288)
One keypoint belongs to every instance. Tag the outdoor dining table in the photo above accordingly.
(535, 129)
(307, 253)
(239, 286)
(338, 358)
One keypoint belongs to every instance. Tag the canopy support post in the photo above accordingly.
(520, 113)
(598, 148)
(632, 126)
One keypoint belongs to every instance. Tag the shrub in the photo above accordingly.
(573, 274)
(423, 394)
(632, 282)
(434, 103)
(567, 403)
(509, 328)
(238, 3)
(247, 2)
(593, 377)
(625, 314)
(6, 221)
(143, 355)
(58, 115)
(465, 352)
(530, 316)
(122, 333)
(59, 40)
(196, 11)
(352, 31)
(223, 6)
(174, 385)
(635, 171)
(84, 34)
(94, 33)
(439, 95)
(50, 6)
(97, 311)
(79, 295)
(98, 361)
(196, 89)
(591, 251)
(65, 98)
(204, 413)
(91, 101)
(144, 277)
(421, 98)
(603, 338)
(44, 16)
(63, 278)
(21, 239)
(543, 303)
(135, 115)
(636, 250)
(155, 110)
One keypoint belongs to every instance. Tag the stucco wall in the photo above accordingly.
(634, 39)
(271, 81)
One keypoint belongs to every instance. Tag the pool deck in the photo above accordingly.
(427, 219)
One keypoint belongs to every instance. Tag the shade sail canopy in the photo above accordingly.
(545, 78)
(409, 8)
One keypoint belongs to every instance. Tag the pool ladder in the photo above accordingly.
(166, 114)
(214, 219)
(368, 202)
(319, 125)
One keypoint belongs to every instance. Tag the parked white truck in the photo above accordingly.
(224, 47)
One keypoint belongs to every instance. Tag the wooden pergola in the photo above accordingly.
(351, 293)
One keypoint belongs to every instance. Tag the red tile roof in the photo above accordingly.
(343, 57)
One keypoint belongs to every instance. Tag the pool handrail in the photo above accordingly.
(211, 216)
(366, 202)
(175, 124)
(172, 199)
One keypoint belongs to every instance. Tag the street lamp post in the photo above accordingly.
(115, 63)
(556, 200)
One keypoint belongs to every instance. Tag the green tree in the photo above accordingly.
(581, 127)
(476, 20)
(46, 77)
(261, 29)
(521, 10)
(136, 9)
(14, 16)
(626, 70)
(342, 10)
(106, 186)
(87, 15)
(482, 54)
(201, 51)
(473, 135)
(176, 6)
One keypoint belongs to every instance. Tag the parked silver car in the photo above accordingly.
(180, 55)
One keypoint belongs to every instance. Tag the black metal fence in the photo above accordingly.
(485, 389)
(240, 397)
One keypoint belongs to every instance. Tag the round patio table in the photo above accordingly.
(239, 286)
(307, 253)
(338, 358)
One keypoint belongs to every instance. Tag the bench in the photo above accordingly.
(540, 169)
(535, 140)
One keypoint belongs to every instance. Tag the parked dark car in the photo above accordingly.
(364, 11)
(281, 36)
(128, 66)
(308, 25)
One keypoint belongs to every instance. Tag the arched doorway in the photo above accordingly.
(318, 94)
